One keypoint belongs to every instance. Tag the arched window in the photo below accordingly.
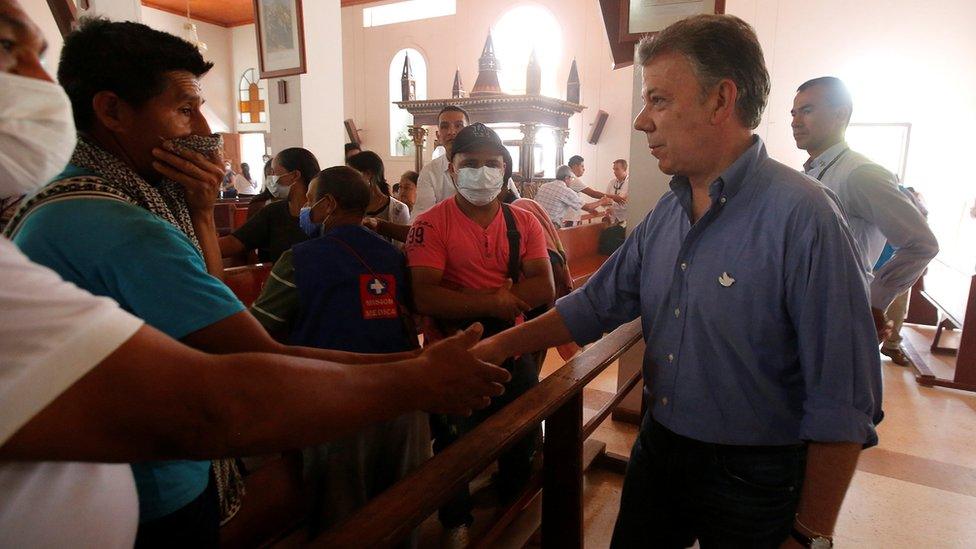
(515, 35)
(253, 100)
(401, 144)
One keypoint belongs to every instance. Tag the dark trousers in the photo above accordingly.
(514, 465)
(678, 490)
(195, 525)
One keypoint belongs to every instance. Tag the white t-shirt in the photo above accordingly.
(618, 211)
(51, 334)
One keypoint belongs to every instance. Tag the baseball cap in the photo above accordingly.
(476, 136)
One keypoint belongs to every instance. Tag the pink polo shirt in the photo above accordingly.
(470, 256)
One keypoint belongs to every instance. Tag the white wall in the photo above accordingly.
(220, 84)
(322, 91)
(40, 13)
(904, 61)
(455, 42)
(244, 55)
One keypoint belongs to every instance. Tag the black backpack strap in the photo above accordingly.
(514, 244)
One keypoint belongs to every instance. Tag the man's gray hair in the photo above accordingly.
(718, 47)
(563, 172)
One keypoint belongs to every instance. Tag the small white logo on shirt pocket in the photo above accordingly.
(726, 280)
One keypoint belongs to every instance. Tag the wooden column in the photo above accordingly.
(527, 155)
(65, 15)
(562, 477)
(419, 135)
(562, 136)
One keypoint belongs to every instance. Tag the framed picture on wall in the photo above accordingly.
(627, 21)
(640, 17)
(281, 37)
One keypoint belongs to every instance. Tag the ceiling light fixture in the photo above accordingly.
(190, 31)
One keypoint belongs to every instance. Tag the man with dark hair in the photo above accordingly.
(347, 290)
(877, 211)
(406, 190)
(575, 183)
(352, 149)
(473, 258)
(89, 382)
(131, 218)
(763, 382)
(434, 183)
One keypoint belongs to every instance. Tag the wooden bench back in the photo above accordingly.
(247, 281)
(581, 241)
(582, 245)
(224, 218)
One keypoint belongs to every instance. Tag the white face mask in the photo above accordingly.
(480, 186)
(276, 190)
(37, 133)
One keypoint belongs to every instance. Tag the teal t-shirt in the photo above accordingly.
(115, 249)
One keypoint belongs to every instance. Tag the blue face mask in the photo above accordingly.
(308, 226)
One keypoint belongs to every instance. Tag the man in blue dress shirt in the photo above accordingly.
(762, 373)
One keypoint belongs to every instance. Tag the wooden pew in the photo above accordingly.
(240, 215)
(582, 250)
(953, 293)
(224, 218)
(247, 281)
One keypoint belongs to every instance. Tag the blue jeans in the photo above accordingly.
(678, 490)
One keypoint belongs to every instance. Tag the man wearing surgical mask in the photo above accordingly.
(473, 258)
(86, 382)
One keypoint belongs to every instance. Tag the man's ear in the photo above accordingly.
(724, 97)
(111, 111)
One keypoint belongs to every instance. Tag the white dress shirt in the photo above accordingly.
(614, 187)
(877, 212)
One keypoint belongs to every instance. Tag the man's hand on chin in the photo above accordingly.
(198, 174)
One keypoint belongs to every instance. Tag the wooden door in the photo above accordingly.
(232, 150)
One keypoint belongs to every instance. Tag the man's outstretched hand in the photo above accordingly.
(489, 351)
(453, 380)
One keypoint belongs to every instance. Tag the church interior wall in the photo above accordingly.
(452, 42)
(244, 56)
(903, 62)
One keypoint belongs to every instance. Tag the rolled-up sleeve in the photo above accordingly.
(874, 196)
(837, 342)
(610, 297)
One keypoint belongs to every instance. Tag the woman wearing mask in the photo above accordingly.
(275, 229)
(261, 199)
(381, 205)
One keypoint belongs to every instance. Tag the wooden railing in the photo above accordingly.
(558, 399)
